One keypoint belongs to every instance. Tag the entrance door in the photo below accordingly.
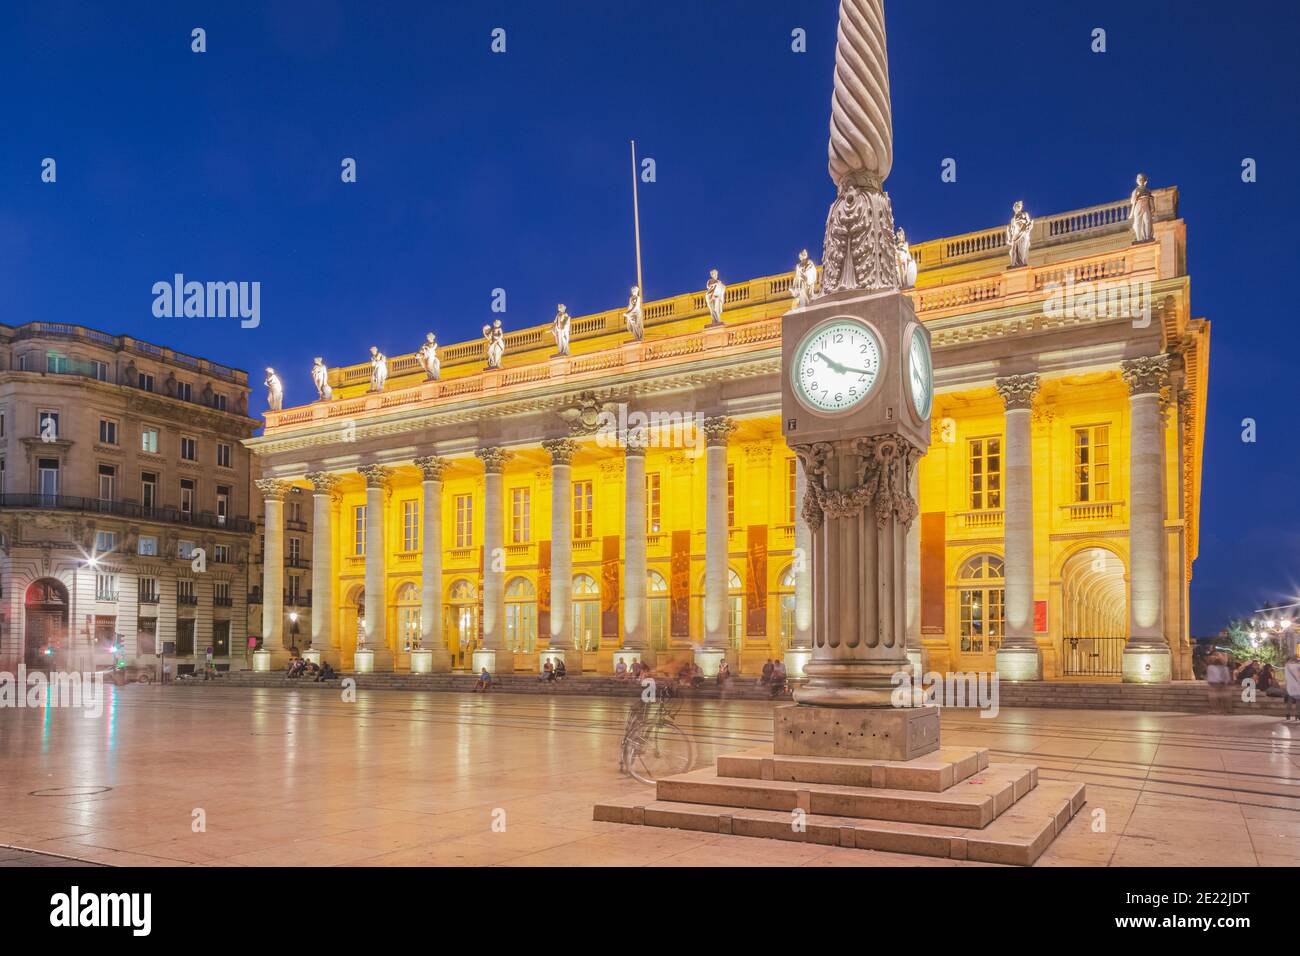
(46, 629)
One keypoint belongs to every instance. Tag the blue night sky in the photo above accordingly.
(479, 171)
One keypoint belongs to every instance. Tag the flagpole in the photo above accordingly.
(636, 219)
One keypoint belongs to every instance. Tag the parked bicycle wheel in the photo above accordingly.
(661, 751)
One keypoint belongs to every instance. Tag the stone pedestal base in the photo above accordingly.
(421, 662)
(262, 661)
(554, 655)
(709, 659)
(864, 733)
(363, 662)
(1147, 665)
(630, 655)
(795, 659)
(496, 661)
(312, 656)
(1020, 663)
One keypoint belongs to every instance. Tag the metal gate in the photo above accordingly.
(1093, 657)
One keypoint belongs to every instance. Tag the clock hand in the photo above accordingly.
(832, 363)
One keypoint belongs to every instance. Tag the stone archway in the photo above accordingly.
(1094, 613)
(45, 634)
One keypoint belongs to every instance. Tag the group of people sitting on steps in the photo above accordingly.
(298, 667)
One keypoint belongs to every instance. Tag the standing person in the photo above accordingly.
(1217, 676)
(1292, 672)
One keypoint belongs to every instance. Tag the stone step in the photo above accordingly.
(1017, 837)
(933, 773)
(973, 803)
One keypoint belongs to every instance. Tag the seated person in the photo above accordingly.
(326, 672)
(620, 669)
(484, 681)
(548, 671)
(560, 669)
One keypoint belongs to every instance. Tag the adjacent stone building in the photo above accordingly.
(124, 501)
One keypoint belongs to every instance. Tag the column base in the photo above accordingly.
(1020, 663)
(496, 661)
(421, 662)
(312, 656)
(629, 655)
(796, 658)
(263, 660)
(914, 658)
(864, 733)
(369, 660)
(709, 660)
(1147, 665)
(864, 684)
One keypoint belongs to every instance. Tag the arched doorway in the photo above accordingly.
(981, 610)
(409, 603)
(657, 593)
(521, 616)
(461, 621)
(1094, 614)
(46, 629)
(586, 613)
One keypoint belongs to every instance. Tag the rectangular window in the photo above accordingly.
(223, 455)
(47, 424)
(582, 526)
(223, 503)
(359, 530)
(652, 503)
(1092, 463)
(295, 586)
(464, 521)
(984, 481)
(219, 402)
(101, 371)
(2, 423)
(146, 381)
(148, 491)
(105, 587)
(221, 554)
(105, 541)
(107, 431)
(185, 550)
(47, 476)
(55, 363)
(189, 448)
(148, 590)
(731, 496)
(187, 496)
(107, 483)
(520, 518)
(221, 593)
(147, 546)
(295, 550)
(149, 440)
(221, 635)
(791, 480)
(185, 593)
(410, 525)
(185, 391)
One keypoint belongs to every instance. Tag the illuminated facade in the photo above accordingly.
(1066, 462)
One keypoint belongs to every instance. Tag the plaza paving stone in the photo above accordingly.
(304, 778)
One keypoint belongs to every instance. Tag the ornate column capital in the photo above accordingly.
(562, 450)
(717, 430)
(432, 467)
(636, 443)
(494, 459)
(273, 489)
(1145, 375)
(377, 476)
(323, 482)
(1017, 391)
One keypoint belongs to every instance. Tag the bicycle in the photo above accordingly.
(653, 745)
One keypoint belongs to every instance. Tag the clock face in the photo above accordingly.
(920, 374)
(836, 366)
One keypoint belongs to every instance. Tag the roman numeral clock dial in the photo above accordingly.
(836, 366)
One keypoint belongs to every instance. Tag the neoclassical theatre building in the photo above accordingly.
(503, 515)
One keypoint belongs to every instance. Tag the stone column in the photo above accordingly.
(1146, 654)
(376, 655)
(432, 655)
(495, 655)
(325, 496)
(272, 654)
(561, 636)
(800, 650)
(1019, 657)
(913, 584)
(716, 431)
(636, 610)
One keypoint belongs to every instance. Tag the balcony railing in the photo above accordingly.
(297, 562)
(1091, 510)
(126, 509)
(190, 600)
(220, 601)
(149, 597)
(297, 600)
(989, 518)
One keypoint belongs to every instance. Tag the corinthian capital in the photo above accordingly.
(1145, 375)
(1017, 391)
(377, 476)
(323, 482)
(432, 466)
(717, 430)
(494, 459)
(562, 450)
(273, 488)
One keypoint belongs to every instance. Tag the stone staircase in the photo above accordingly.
(951, 803)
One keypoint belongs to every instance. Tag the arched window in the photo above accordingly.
(521, 616)
(982, 600)
(461, 620)
(735, 609)
(657, 593)
(408, 615)
(586, 613)
(785, 596)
